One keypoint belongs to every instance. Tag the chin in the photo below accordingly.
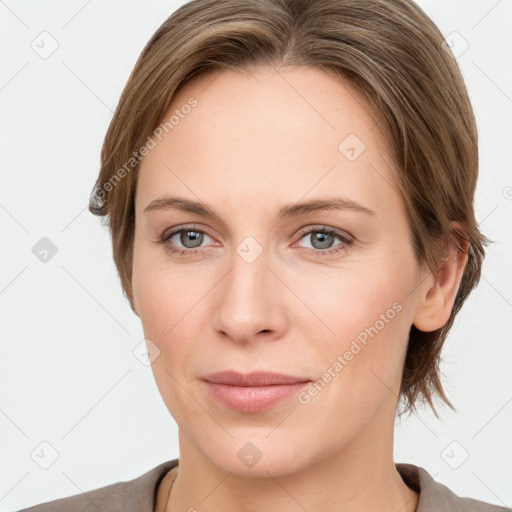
(259, 456)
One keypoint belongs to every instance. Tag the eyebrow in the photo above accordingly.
(289, 210)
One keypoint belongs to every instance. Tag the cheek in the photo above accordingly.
(150, 300)
(152, 296)
(163, 310)
(344, 303)
(150, 281)
(364, 319)
(170, 302)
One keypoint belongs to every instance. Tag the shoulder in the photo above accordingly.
(108, 499)
(137, 494)
(435, 496)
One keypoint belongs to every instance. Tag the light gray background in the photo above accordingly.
(68, 373)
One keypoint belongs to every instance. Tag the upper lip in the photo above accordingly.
(235, 378)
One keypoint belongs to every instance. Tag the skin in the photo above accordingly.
(254, 143)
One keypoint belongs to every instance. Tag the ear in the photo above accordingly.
(437, 296)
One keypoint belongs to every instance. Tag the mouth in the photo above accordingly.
(254, 392)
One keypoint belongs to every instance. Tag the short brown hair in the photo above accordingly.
(388, 50)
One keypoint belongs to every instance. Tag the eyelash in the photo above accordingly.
(165, 238)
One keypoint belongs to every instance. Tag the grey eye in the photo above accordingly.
(191, 239)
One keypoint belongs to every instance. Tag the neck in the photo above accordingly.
(359, 476)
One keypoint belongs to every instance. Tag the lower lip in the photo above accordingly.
(252, 399)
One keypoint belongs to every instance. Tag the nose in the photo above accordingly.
(251, 301)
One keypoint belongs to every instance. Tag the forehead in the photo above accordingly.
(317, 98)
(282, 132)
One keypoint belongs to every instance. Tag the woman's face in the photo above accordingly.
(256, 290)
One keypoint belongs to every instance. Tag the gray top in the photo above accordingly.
(139, 494)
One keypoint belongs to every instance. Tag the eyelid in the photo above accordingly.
(346, 241)
(345, 238)
(170, 232)
(305, 230)
(323, 227)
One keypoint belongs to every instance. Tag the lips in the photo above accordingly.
(234, 378)
(252, 392)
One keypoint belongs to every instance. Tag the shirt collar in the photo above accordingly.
(140, 493)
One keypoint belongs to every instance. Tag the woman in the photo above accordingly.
(289, 186)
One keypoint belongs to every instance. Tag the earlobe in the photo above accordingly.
(437, 296)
